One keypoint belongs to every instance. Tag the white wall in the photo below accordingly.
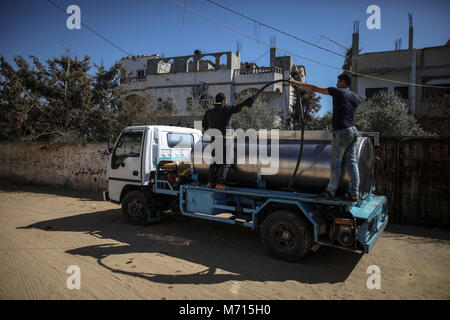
(179, 86)
(364, 82)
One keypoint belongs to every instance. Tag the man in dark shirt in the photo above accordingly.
(219, 118)
(345, 135)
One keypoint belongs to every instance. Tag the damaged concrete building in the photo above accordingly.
(428, 67)
(185, 80)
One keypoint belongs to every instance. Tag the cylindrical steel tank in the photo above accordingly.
(312, 175)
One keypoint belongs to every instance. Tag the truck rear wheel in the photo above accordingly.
(286, 236)
(135, 207)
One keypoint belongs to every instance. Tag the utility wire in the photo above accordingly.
(250, 37)
(335, 42)
(261, 56)
(113, 44)
(273, 28)
(184, 13)
(85, 25)
(302, 57)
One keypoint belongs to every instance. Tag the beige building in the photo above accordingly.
(183, 80)
(426, 66)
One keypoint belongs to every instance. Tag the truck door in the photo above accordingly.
(126, 162)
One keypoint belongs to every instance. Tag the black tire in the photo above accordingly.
(135, 207)
(286, 236)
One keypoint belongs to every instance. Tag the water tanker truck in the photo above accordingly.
(156, 170)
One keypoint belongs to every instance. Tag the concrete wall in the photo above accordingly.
(364, 83)
(386, 60)
(132, 64)
(179, 86)
(180, 83)
(423, 66)
(433, 68)
(71, 167)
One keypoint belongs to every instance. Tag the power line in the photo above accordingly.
(261, 56)
(273, 28)
(335, 42)
(302, 57)
(184, 13)
(113, 44)
(85, 25)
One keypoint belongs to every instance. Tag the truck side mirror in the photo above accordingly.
(110, 143)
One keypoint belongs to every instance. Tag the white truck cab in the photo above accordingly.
(133, 159)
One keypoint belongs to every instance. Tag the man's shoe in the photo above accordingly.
(220, 187)
(324, 196)
(351, 197)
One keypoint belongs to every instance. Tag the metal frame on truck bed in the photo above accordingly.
(336, 223)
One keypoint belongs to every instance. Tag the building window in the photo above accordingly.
(166, 105)
(403, 92)
(371, 91)
(430, 92)
(206, 101)
(200, 104)
(189, 103)
(140, 73)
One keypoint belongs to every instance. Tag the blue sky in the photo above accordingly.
(156, 26)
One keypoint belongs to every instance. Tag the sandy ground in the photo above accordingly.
(43, 231)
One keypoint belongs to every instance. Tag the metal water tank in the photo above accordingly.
(312, 175)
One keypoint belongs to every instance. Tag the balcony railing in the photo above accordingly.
(258, 70)
(136, 79)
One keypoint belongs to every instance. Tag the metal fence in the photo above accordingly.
(258, 70)
(417, 180)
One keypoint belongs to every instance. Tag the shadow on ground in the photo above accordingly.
(417, 234)
(217, 246)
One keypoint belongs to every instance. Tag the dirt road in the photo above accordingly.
(43, 231)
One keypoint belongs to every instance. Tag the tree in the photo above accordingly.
(131, 110)
(15, 102)
(310, 104)
(441, 104)
(60, 100)
(320, 123)
(259, 116)
(387, 114)
(348, 60)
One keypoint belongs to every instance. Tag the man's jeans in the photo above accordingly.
(343, 147)
(219, 172)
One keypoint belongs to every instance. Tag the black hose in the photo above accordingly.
(270, 83)
(299, 159)
(300, 106)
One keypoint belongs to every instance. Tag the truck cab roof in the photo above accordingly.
(171, 128)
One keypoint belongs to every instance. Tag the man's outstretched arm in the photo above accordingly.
(310, 87)
(247, 103)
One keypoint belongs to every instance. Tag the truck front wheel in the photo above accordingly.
(135, 208)
(286, 236)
